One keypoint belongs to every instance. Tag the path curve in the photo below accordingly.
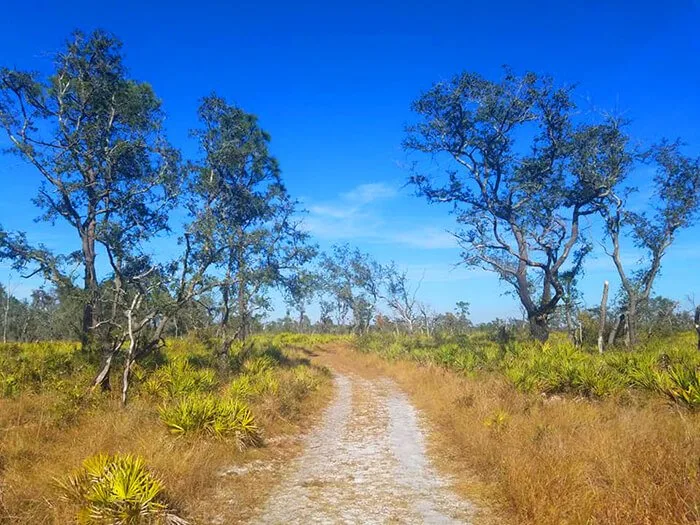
(365, 463)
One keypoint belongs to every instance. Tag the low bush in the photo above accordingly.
(118, 490)
(682, 386)
(249, 386)
(179, 378)
(668, 367)
(213, 417)
(36, 366)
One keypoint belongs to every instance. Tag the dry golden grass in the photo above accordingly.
(558, 460)
(35, 448)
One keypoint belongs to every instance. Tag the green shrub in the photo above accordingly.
(683, 386)
(667, 366)
(117, 489)
(37, 366)
(212, 417)
(179, 378)
(249, 386)
(259, 365)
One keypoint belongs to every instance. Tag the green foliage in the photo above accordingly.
(116, 489)
(259, 365)
(212, 417)
(683, 386)
(37, 366)
(669, 367)
(179, 378)
(253, 385)
(497, 421)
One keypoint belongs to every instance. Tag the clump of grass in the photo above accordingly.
(497, 421)
(212, 417)
(117, 489)
(249, 386)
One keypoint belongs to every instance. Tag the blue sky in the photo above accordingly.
(333, 82)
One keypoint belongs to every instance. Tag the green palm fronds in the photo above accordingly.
(179, 378)
(118, 490)
(213, 417)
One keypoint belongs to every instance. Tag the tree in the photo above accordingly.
(675, 206)
(354, 280)
(454, 323)
(401, 297)
(300, 289)
(519, 205)
(94, 136)
(249, 216)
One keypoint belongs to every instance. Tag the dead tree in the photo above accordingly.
(603, 315)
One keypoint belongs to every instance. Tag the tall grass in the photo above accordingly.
(608, 449)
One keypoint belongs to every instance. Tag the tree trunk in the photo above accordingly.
(102, 379)
(539, 327)
(619, 323)
(90, 288)
(603, 316)
(243, 328)
(7, 313)
(223, 354)
(697, 324)
(631, 318)
(128, 364)
(570, 327)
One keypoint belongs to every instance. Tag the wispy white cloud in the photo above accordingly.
(367, 193)
(360, 214)
(427, 238)
(334, 212)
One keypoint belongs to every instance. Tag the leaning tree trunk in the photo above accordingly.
(102, 378)
(138, 348)
(603, 316)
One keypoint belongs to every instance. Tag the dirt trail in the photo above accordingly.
(365, 462)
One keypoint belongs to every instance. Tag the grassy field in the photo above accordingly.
(540, 434)
(558, 435)
(66, 452)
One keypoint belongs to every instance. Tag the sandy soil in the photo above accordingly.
(365, 462)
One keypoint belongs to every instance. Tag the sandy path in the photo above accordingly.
(365, 463)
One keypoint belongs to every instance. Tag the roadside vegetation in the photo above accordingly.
(666, 367)
(559, 434)
(68, 452)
